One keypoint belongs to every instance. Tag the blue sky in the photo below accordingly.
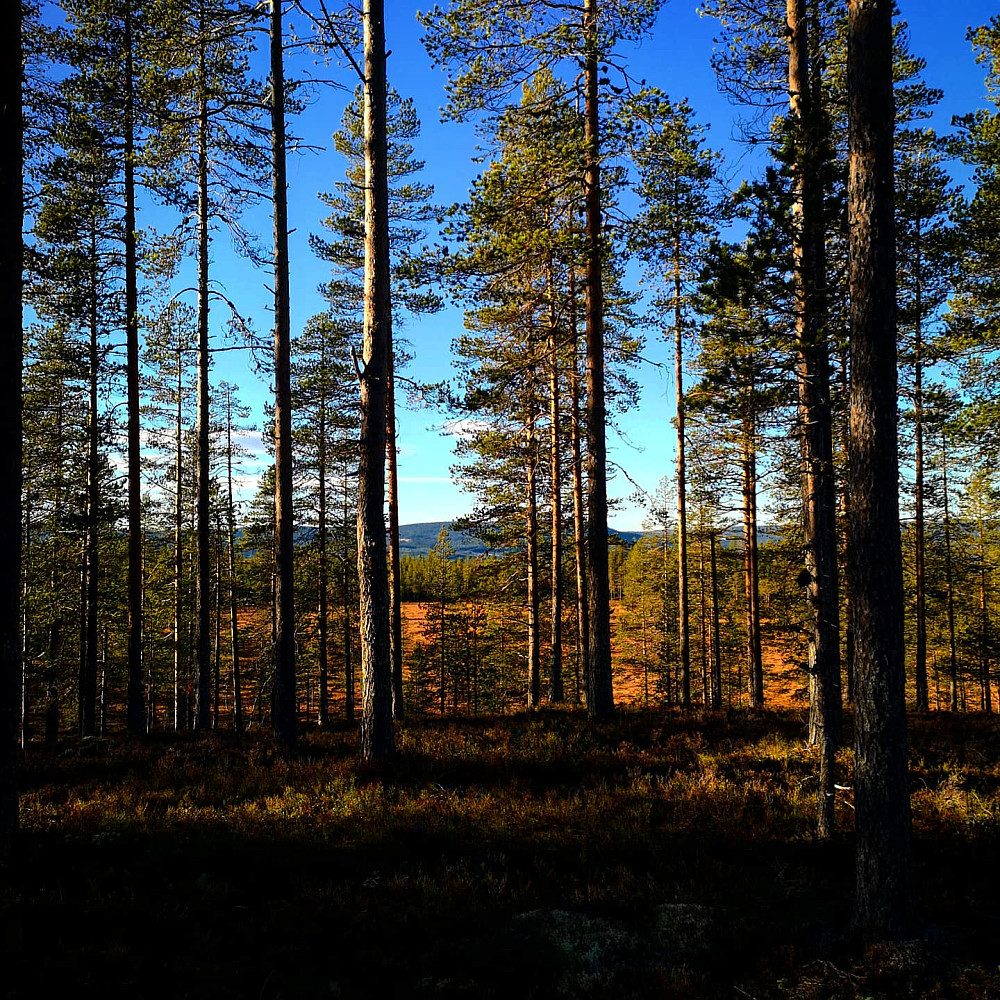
(676, 58)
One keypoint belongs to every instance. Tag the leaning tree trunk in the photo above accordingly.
(377, 737)
(882, 803)
(283, 715)
(600, 691)
(11, 221)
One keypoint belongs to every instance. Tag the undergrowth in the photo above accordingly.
(522, 856)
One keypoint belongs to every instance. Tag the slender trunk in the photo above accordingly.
(217, 652)
(920, 664)
(392, 496)
(706, 689)
(600, 692)
(986, 694)
(683, 611)
(579, 527)
(284, 708)
(377, 737)
(11, 254)
(26, 636)
(234, 628)
(881, 794)
(555, 476)
(348, 658)
(755, 665)
(531, 536)
(949, 584)
(203, 584)
(716, 642)
(178, 531)
(323, 570)
(815, 417)
(136, 711)
(88, 672)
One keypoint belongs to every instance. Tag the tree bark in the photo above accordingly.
(683, 610)
(600, 691)
(755, 664)
(815, 416)
(11, 256)
(920, 656)
(136, 711)
(949, 586)
(234, 626)
(395, 593)
(555, 487)
(579, 527)
(531, 537)
(284, 712)
(203, 575)
(377, 737)
(323, 716)
(178, 531)
(884, 893)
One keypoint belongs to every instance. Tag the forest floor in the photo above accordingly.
(535, 855)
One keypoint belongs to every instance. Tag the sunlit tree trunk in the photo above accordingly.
(881, 793)
(377, 737)
(284, 705)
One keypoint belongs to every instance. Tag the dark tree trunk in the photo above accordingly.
(323, 569)
(555, 487)
(392, 497)
(531, 538)
(755, 663)
(920, 656)
(716, 642)
(579, 527)
(815, 417)
(377, 737)
(283, 716)
(882, 801)
(949, 585)
(600, 691)
(136, 711)
(683, 610)
(203, 574)
(234, 627)
(11, 219)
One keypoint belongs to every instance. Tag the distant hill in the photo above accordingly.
(418, 539)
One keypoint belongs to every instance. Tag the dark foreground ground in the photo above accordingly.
(527, 856)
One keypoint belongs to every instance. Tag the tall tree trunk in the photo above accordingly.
(377, 737)
(321, 541)
(234, 625)
(392, 491)
(203, 574)
(555, 477)
(716, 642)
(755, 664)
(882, 803)
(600, 691)
(579, 527)
(88, 668)
(815, 416)
(985, 692)
(706, 683)
(178, 531)
(531, 537)
(136, 712)
(284, 709)
(11, 219)
(683, 610)
(949, 591)
(920, 664)
(346, 569)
